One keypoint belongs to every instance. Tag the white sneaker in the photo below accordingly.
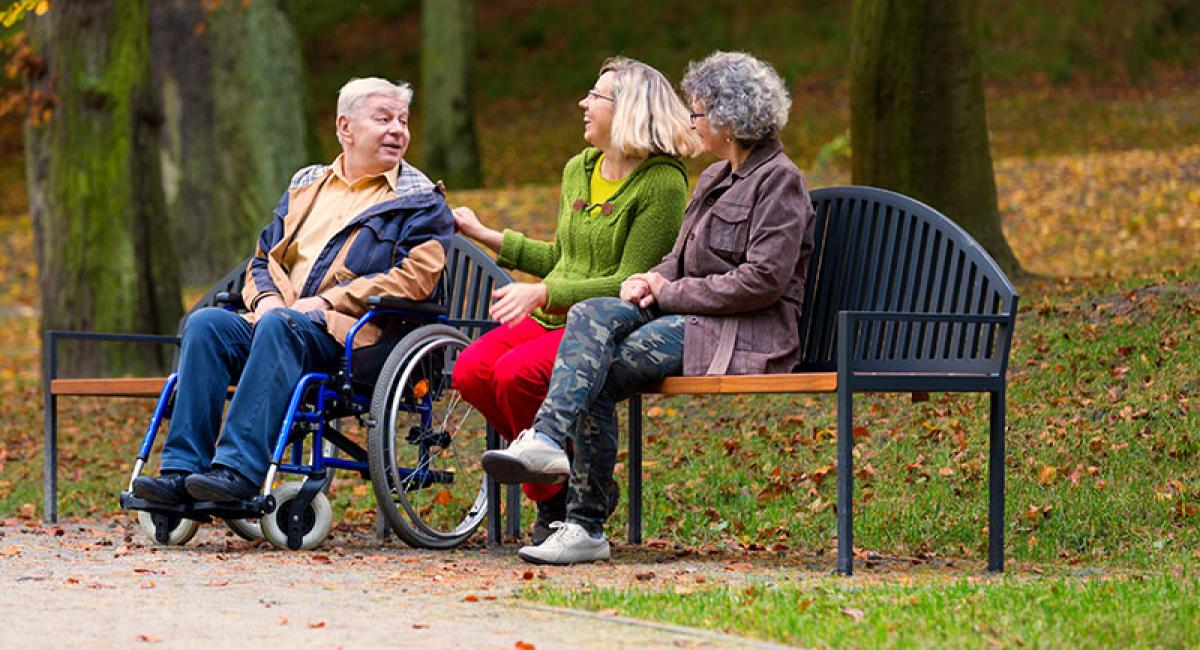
(569, 544)
(527, 460)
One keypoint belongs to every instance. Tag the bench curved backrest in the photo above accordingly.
(876, 250)
(470, 276)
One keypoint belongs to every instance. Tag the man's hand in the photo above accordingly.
(311, 303)
(267, 304)
(468, 224)
(515, 301)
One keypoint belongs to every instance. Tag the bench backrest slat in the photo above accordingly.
(876, 250)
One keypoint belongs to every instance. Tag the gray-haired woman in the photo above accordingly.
(725, 300)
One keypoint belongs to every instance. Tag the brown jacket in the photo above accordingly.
(739, 264)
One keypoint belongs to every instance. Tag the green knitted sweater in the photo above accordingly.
(592, 254)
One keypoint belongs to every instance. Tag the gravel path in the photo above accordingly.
(97, 584)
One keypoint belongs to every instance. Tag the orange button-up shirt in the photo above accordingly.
(337, 202)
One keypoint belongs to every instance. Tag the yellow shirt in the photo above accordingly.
(337, 202)
(600, 187)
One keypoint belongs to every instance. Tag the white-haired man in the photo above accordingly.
(367, 224)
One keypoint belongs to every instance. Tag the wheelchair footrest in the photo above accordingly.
(204, 511)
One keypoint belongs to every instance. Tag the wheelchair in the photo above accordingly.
(423, 441)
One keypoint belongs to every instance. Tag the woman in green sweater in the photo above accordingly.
(619, 212)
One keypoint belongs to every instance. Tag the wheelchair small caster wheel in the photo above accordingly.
(248, 529)
(176, 531)
(317, 519)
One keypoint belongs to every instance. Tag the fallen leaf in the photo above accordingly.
(443, 498)
(611, 611)
(471, 598)
(1047, 475)
(217, 583)
(805, 604)
(855, 614)
(419, 626)
(283, 620)
(316, 624)
(147, 638)
(522, 645)
(320, 559)
(11, 551)
(645, 575)
(655, 412)
(528, 575)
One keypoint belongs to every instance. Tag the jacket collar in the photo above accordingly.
(338, 169)
(761, 153)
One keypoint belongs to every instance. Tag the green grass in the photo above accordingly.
(1133, 612)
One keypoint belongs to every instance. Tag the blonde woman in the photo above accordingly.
(725, 300)
(621, 204)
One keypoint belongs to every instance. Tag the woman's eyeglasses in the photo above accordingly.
(595, 95)
(696, 116)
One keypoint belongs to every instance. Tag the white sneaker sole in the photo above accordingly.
(507, 470)
(534, 559)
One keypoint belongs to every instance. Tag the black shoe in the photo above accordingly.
(221, 484)
(167, 489)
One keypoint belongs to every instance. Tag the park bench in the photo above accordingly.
(898, 299)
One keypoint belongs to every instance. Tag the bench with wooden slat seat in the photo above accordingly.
(898, 299)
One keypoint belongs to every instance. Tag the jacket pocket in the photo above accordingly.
(729, 230)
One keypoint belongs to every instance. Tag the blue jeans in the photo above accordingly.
(611, 349)
(265, 360)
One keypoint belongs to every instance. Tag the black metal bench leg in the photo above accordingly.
(493, 495)
(50, 453)
(996, 483)
(634, 531)
(512, 511)
(845, 479)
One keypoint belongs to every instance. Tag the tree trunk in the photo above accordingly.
(236, 124)
(95, 195)
(917, 120)
(447, 118)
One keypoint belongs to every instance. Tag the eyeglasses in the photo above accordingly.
(595, 95)
(696, 116)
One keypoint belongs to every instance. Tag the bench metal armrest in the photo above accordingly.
(924, 343)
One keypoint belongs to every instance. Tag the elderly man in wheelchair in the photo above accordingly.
(345, 276)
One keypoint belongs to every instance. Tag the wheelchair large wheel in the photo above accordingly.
(425, 443)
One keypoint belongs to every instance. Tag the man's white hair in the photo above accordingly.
(356, 90)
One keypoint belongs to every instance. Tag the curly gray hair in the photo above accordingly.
(741, 93)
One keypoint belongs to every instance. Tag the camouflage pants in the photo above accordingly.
(611, 349)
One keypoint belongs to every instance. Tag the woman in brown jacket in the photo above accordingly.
(725, 300)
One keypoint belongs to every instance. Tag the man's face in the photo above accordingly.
(376, 135)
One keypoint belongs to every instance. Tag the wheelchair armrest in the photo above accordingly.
(403, 304)
(229, 299)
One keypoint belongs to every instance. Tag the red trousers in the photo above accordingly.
(505, 374)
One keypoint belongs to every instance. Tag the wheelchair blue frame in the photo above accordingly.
(334, 394)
